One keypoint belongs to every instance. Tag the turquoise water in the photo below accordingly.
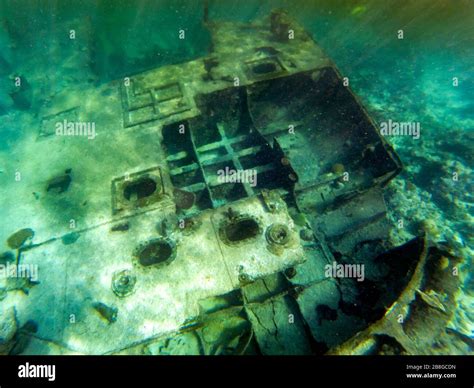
(410, 78)
(360, 36)
(426, 77)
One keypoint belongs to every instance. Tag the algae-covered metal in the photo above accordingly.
(237, 187)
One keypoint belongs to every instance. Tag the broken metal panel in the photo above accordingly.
(355, 221)
(237, 41)
(45, 305)
(265, 288)
(333, 146)
(278, 327)
(320, 120)
(248, 251)
(87, 199)
(416, 321)
(224, 332)
(148, 90)
(318, 304)
(312, 270)
(209, 149)
(218, 269)
(143, 189)
(190, 279)
(143, 103)
(48, 122)
(275, 317)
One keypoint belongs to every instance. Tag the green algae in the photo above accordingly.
(19, 238)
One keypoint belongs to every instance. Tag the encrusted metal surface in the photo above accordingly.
(166, 239)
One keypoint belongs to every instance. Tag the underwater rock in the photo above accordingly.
(8, 329)
(8, 325)
(184, 199)
(61, 183)
(7, 257)
(18, 239)
(338, 168)
(280, 25)
(123, 227)
(23, 284)
(23, 337)
(70, 238)
(106, 312)
(429, 227)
